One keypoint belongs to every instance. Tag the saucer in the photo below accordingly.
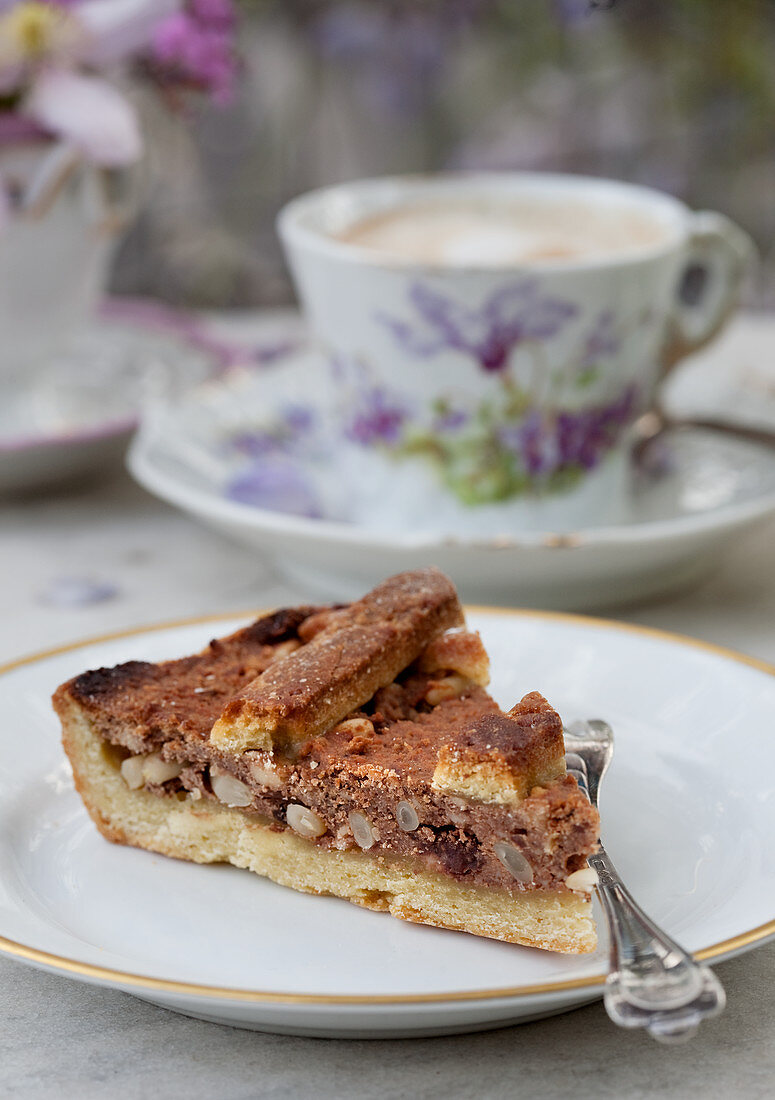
(250, 455)
(79, 416)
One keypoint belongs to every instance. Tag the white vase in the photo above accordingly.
(55, 251)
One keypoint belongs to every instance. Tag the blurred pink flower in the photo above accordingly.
(88, 112)
(43, 49)
(46, 46)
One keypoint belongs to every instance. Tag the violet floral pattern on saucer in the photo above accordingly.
(271, 462)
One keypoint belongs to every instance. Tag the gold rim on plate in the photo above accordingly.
(138, 982)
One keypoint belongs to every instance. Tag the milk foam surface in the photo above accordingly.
(497, 232)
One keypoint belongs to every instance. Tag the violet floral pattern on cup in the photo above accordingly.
(514, 314)
(520, 439)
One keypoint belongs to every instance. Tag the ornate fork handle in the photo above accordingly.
(652, 981)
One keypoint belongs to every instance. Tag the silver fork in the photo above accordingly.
(652, 981)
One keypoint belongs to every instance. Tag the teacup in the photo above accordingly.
(505, 331)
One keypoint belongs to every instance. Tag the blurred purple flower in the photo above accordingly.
(512, 315)
(196, 46)
(396, 51)
(277, 485)
(377, 418)
(395, 54)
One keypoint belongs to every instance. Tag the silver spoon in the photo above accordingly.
(654, 423)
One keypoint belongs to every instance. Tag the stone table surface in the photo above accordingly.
(59, 1038)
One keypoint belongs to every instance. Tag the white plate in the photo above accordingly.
(688, 816)
(251, 455)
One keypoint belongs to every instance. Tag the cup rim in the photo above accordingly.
(295, 233)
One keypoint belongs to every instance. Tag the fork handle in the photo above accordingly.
(652, 981)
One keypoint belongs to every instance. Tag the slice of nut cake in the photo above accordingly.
(351, 751)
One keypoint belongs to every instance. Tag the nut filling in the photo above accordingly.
(471, 846)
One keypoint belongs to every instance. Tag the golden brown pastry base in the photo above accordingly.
(204, 832)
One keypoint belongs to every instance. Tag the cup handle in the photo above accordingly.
(718, 256)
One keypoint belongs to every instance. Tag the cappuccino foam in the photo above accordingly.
(501, 233)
